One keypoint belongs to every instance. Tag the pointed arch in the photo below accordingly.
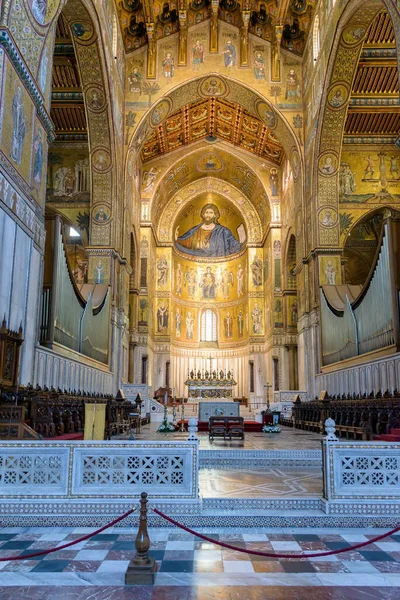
(231, 89)
(351, 32)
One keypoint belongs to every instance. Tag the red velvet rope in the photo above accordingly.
(274, 554)
(82, 539)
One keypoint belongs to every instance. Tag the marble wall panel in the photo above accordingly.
(7, 242)
(30, 331)
(20, 278)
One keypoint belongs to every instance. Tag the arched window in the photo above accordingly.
(291, 282)
(208, 326)
(316, 38)
(114, 36)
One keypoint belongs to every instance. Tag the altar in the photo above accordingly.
(218, 409)
(209, 387)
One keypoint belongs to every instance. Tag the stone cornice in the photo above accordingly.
(11, 49)
(104, 251)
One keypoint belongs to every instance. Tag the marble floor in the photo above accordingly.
(191, 569)
(287, 439)
(260, 482)
(253, 481)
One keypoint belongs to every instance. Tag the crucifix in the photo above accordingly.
(210, 359)
(267, 386)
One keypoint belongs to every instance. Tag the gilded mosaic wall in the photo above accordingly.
(68, 174)
(247, 182)
(142, 94)
(17, 125)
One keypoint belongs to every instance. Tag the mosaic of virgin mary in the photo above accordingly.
(209, 238)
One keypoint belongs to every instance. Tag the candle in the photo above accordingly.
(165, 398)
(183, 400)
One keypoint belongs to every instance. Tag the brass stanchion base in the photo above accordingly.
(141, 574)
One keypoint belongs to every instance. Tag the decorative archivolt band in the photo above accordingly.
(165, 230)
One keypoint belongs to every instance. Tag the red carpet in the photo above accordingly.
(248, 425)
(393, 436)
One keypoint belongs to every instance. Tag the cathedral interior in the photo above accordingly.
(200, 209)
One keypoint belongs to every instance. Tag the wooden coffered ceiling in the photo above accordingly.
(374, 108)
(67, 107)
(292, 17)
(223, 120)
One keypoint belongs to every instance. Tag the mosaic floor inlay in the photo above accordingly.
(189, 569)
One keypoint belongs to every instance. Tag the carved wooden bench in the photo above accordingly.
(217, 427)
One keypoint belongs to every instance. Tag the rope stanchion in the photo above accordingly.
(275, 554)
(82, 539)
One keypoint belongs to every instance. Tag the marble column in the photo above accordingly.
(131, 369)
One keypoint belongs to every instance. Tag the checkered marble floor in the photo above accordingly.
(190, 568)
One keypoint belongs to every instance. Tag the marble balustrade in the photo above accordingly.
(361, 472)
(95, 478)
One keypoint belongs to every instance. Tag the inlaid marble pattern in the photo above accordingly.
(190, 568)
(260, 482)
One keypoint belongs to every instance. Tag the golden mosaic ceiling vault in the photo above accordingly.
(215, 117)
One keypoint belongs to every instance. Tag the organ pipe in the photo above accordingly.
(95, 329)
(338, 331)
(374, 313)
(68, 306)
(369, 323)
(76, 324)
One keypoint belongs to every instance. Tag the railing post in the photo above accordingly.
(142, 568)
(330, 428)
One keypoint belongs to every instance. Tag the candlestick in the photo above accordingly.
(182, 429)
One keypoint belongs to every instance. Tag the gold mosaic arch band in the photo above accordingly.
(348, 46)
(91, 63)
(231, 89)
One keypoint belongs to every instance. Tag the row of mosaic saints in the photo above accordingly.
(293, 89)
(232, 318)
(210, 239)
